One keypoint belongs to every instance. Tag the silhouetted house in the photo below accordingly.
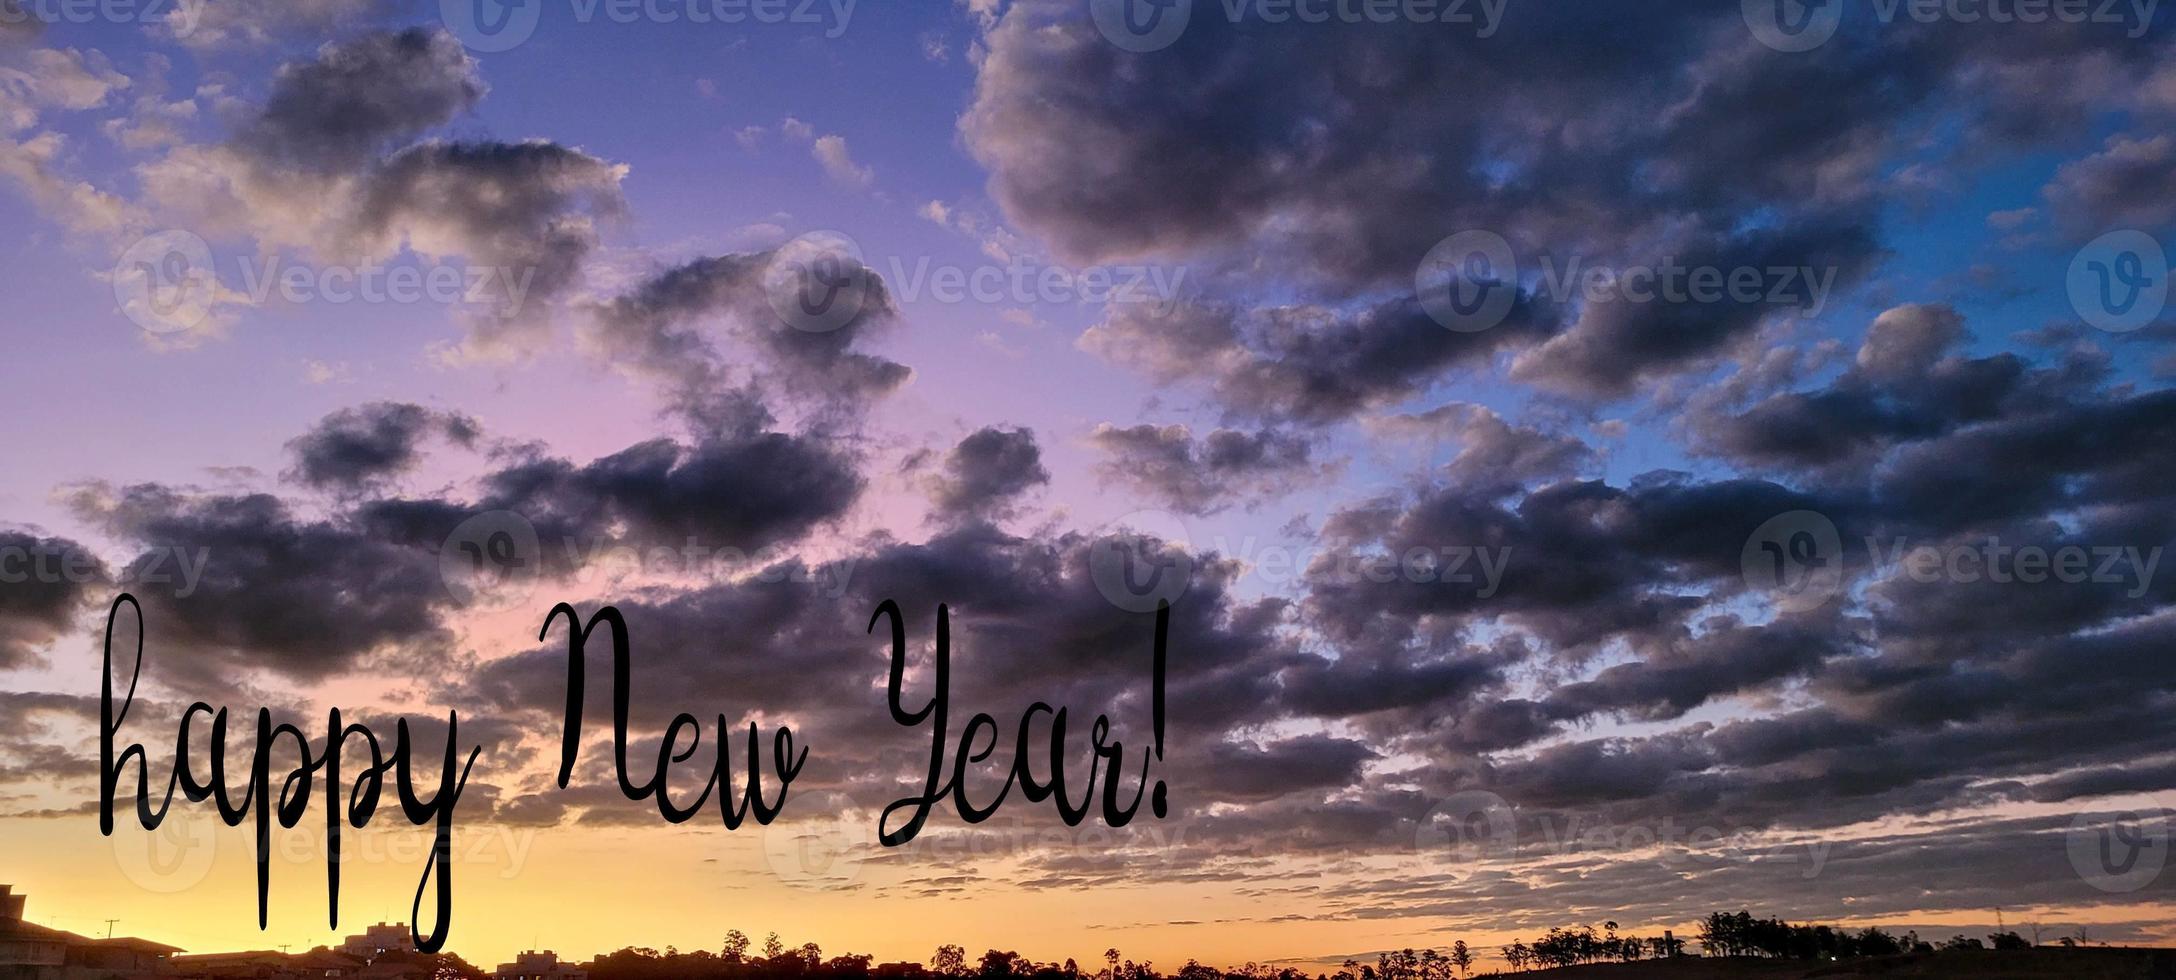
(533, 965)
(377, 941)
(267, 965)
(399, 966)
(33, 952)
(899, 971)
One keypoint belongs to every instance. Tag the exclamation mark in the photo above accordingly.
(1158, 802)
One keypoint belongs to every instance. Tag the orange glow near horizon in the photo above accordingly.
(584, 891)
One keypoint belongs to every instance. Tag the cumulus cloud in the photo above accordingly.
(50, 582)
(1492, 452)
(1201, 476)
(357, 99)
(528, 211)
(356, 449)
(1304, 364)
(657, 330)
(838, 162)
(2127, 185)
(985, 474)
(330, 165)
(260, 22)
(1329, 159)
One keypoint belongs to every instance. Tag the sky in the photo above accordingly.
(1606, 463)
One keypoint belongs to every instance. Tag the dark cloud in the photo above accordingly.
(656, 330)
(278, 592)
(2127, 185)
(526, 210)
(1308, 365)
(264, 587)
(1620, 339)
(1243, 773)
(355, 449)
(1492, 453)
(730, 492)
(1329, 159)
(45, 584)
(1201, 476)
(983, 476)
(336, 165)
(742, 491)
(360, 98)
(1029, 623)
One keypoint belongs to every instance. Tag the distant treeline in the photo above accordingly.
(1720, 934)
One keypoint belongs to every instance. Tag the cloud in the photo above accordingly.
(1303, 364)
(838, 163)
(50, 582)
(528, 211)
(278, 592)
(1493, 453)
(1201, 476)
(262, 22)
(64, 79)
(984, 475)
(360, 98)
(356, 449)
(329, 165)
(1905, 342)
(656, 329)
(2124, 186)
(1323, 163)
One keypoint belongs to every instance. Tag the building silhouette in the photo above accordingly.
(29, 951)
(534, 965)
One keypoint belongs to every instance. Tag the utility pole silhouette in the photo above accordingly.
(109, 927)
